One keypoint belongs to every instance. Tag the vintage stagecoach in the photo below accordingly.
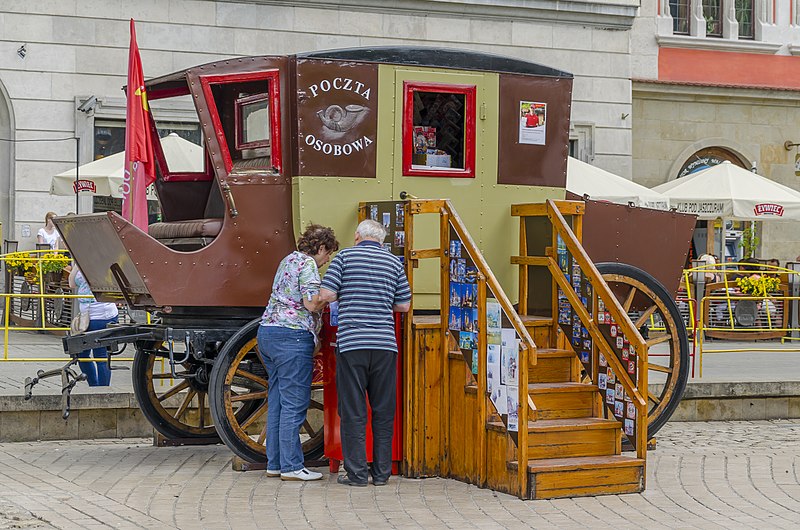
(333, 136)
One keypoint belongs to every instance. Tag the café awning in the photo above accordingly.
(729, 191)
(104, 176)
(601, 185)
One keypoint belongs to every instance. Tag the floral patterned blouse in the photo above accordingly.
(297, 277)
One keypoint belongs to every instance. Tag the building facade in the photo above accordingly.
(718, 80)
(63, 63)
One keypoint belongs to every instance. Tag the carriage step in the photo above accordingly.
(563, 400)
(571, 437)
(554, 366)
(583, 476)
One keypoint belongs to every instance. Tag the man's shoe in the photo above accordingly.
(301, 474)
(273, 473)
(345, 481)
(379, 482)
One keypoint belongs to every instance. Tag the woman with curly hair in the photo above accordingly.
(287, 340)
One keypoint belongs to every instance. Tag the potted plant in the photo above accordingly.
(21, 264)
(52, 264)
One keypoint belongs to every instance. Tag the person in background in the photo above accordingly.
(711, 276)
(101, 314)
(370, 284)
(287, 339)
(773, 262)
(49, 234)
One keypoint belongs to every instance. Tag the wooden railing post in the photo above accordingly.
(444, 311)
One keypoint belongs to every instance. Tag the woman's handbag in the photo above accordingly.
(80, 323)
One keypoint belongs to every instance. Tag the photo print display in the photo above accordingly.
(391, 214)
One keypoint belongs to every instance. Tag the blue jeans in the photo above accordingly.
(97, 374)
(288, 356)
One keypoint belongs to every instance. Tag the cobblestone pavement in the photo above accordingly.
(703, 475)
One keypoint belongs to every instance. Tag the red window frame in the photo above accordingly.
(238, 108)
(161, 160)
(273, 78)
(469, 91)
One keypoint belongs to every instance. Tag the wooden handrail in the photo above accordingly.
(491, 280)
(619, 315)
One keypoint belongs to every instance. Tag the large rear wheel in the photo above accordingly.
(656, 315)
(239, 379)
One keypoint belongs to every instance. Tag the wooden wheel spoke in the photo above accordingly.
(174, 390)
(658, 339)
(185, 405)
(659, 368)
(252, 377)
(253, 417)
(645, 315)
(201, 408)
(626, 305)
(309, 430)
(653, 398)
(263, 436)
(249, 396)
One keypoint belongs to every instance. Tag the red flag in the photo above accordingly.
(139, 164)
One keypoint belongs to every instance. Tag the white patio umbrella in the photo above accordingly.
(601, 185)
(104, 176)
(731, 192)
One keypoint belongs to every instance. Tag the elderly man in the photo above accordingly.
(369, 284)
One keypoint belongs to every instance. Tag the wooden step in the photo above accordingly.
(533, 321)
(583, 476)
(553, 366)
(563, 400)
(572, 437)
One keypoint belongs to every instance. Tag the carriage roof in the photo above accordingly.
(399, 55)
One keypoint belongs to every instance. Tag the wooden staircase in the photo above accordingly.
(569, 442)
(573, 450)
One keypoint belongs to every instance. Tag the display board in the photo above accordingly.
(392, 215)
(498, 346)
(617, 401)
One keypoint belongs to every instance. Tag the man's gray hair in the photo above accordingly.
(369, 229)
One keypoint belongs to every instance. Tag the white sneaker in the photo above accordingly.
(301, 474)
(273, 473)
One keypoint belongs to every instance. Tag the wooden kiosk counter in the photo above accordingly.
(525, 366)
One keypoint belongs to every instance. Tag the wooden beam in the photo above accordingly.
(540, 209)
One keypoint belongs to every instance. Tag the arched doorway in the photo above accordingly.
(6, 164)
(710, 156)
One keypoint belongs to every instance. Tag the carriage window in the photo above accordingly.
(245, 109)
(252, 121)
(439, 130)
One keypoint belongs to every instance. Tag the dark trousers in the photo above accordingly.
(360, 373)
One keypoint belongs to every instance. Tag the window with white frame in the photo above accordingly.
(759, 25)
(712, 13)
(679, 10)
(744, 10)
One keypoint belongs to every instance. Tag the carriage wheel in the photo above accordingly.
(655, 313)
(239, 377)
(177, 408)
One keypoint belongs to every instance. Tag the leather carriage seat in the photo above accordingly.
(192, 234)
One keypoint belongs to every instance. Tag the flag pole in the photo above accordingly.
(77, 170)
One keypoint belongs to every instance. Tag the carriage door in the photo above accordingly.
(445, 145)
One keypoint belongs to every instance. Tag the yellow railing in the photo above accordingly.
(587, 310)
(33, 262)
(717, 307)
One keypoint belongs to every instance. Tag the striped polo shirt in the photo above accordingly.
(369, 281)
